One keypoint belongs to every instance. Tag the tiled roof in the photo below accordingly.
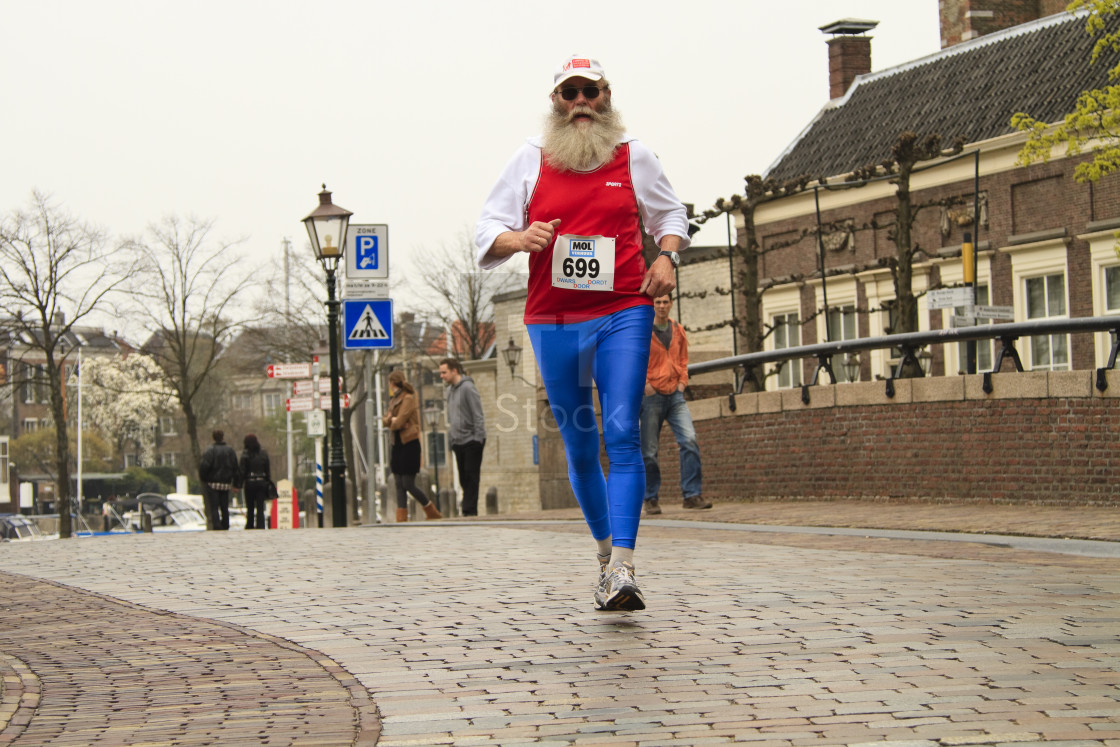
(970, 90)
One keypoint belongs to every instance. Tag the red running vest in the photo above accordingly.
(593, 203)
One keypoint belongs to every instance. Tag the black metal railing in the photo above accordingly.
(909, 344)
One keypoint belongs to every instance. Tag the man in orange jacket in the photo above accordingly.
(666, 378)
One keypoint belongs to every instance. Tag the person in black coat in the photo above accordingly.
(219, 474)
(258, 481)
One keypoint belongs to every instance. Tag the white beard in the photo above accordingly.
(569, 146)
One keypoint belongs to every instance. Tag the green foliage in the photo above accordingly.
(138, 480)
(1094, 124)
(34, 453)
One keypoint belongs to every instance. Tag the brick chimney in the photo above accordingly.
(962, 20)
(849, 53)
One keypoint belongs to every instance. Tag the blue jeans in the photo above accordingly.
(656, 409)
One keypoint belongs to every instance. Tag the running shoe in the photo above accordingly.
(618, 590)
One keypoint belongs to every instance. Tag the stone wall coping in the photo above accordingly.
(1018, 385)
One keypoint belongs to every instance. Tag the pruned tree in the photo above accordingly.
(748, 252)
(462, 294)
(54, 272)
(1093, 126)
(908, 151)
(188, 292)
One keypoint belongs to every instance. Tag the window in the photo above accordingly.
(437, 450)
(132, 460)
(1046, 299)
(841, 326)
(242, 401)
(1112, 289)
(168, 459)
(787, 334)
(273, 403)
(167, 425)
(35, 387)
(29, 425)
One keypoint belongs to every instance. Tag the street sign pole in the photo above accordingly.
(968, 262)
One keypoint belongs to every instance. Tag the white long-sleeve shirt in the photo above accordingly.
(505, 208)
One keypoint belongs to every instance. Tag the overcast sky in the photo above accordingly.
(237, 110)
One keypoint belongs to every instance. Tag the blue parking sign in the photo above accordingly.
(366, 247)
(367, 251)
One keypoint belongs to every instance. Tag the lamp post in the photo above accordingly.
(326, 227)
(431, 417)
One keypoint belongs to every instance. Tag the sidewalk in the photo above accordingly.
(476, 633)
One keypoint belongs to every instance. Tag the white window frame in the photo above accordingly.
(1104, 252)
(1037, 259)
(273, 402)
(842, 294)
(781, 301)
(878, 288)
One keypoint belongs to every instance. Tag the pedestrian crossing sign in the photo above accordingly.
(367, 323)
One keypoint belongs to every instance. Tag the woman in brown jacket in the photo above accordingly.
(403, 419)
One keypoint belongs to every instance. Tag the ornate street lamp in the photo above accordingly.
(326, 227)
(512, 356)
(851, 366)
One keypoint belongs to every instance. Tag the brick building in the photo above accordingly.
(1045, 242)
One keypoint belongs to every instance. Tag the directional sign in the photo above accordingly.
(304, 388)
(304, 404)
(948, 298)
(1002, 313)
(367, 251)
(288, 370)
(956, 321)
(367, 323)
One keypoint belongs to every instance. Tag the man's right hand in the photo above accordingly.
(537, 236)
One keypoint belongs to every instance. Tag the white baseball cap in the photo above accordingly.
(578, 66)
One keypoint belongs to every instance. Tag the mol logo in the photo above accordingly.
(581, 248)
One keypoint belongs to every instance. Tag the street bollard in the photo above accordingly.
(491, 501)
(145, 522)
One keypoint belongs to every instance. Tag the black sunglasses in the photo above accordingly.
(589, 93)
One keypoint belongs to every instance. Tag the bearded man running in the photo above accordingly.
(576, 199)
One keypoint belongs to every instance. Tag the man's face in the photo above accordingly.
(576, 108)
(661, 308)
(447, 375)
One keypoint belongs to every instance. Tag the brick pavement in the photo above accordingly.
(481, 634)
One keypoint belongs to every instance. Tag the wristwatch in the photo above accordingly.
(673, 257)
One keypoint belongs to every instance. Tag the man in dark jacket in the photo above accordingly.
(219, 474)
(466, 429)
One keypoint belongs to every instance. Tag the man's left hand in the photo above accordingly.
(660, 278)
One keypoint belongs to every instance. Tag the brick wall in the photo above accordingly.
(962, 20)
(1038, 438)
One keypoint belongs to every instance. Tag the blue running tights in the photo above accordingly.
(611, 352)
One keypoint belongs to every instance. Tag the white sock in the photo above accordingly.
(622, 555)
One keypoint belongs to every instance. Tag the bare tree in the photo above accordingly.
(463, 294)
(54, 272)
(188, 290)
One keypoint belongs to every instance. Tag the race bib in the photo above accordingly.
(583, 263)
